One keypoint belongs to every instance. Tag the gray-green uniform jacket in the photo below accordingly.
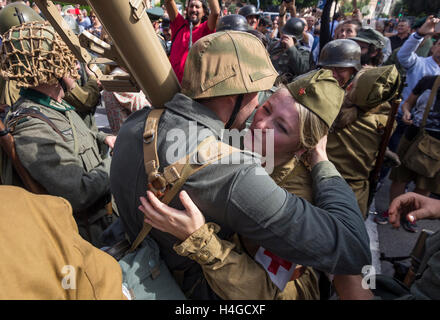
(70, 168)
(240, 198)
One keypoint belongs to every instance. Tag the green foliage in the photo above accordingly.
(422, 7)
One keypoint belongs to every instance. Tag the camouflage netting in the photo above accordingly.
(34, 54)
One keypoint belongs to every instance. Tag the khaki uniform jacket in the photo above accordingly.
(44, 257)
(241, 198)
(71, 167)
(354, 148)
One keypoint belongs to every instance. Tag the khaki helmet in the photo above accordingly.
(34, 54)
(227, 63)
(15, 14)
(341, 53)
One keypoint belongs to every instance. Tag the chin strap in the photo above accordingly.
(237, 107)
(62, 84)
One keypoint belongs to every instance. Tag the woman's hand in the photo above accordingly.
(179, 223)
(319, 153)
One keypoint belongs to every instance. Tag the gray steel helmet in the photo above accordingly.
(248, 10)
(341, 53)
(15, 14)
(294, 27)
(73, 25)
(232, 22)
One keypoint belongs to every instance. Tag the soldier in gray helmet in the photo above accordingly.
(232, 22)
(289, 58)
(354, 141)
(343, 57)
(251, 14)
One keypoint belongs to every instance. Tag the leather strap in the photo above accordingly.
(209, 150)
(434, 90)
(28, 112)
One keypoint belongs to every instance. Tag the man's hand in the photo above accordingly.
(429, 26)
(287, 41)
(357, 15)
(414, 206)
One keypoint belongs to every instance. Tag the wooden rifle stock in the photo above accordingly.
(374, 175)
(8, 145)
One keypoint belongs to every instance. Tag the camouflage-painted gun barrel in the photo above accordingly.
(140, 49)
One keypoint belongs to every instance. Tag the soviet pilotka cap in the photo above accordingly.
(371, 36)
(227, 63)
(319, 92)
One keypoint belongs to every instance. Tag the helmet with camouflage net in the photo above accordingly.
(34, 54)
(227, 63)
(341, 53)
(15, 14)
(294, 27)
(232, 22)
(248, 10)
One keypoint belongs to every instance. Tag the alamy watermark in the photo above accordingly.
(369, 277)
(259, 142)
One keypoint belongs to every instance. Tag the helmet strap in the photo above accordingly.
(62, 84)
(237, 108)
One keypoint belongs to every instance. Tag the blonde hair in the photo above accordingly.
(311, 127)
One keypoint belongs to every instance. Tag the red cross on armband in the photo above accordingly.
(277, 262)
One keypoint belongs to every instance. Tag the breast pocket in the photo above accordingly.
(89, 157)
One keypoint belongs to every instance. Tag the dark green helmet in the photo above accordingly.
(248, 10)
(341, 53)
(15, 14)
(232, 22)
(294, 27)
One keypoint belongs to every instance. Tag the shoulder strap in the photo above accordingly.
(29, 112)
(434, 89)
(168, 184)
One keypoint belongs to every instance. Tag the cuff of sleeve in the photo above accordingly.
(203, 246)
(100, 136)
(417, 36)
(324, 170)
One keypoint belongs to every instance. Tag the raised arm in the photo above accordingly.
(214, 14)
(172, 10)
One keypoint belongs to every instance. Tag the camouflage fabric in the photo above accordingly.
(319, 92)
(34, 54)
(227, 63)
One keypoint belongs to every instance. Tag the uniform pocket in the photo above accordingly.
(90, 157)
(423, 156)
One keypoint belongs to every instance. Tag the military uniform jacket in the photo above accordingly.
(69, 166)
(240, 198)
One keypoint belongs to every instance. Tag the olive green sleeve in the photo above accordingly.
(84, 98)
(231, 274)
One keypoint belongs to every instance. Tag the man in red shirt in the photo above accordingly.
(198, 23)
